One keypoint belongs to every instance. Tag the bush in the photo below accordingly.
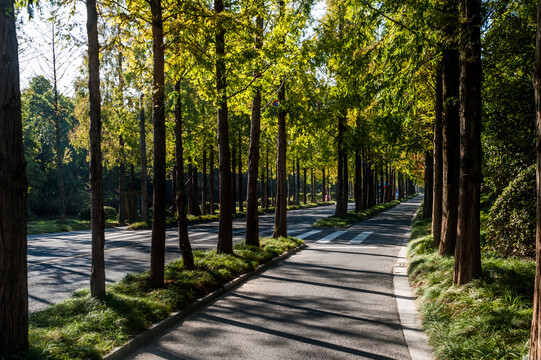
(110, 213)
(511, 222)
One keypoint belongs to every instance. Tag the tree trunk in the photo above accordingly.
(467, 265)
(183, 240)
(269, 180)
(157, 249)
(323, 186)
(313, 187)
(204, 184)
(429, 177)
(211, 180)
(280, 213)
(174, 190)
(304, 199)
(252, 220)
(58, 133)
(233, 181)
(225, 230)
(298, 193)
(13, 193)
(97, 272)
(144, 191)
(241, 197)
(438, 162)
(340, 186)
(122, 185)
(191, 194)
(195, 198)
(535, 333)
(451, 136)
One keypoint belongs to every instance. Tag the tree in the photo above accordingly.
(438, 162)
(535, 336)
(13, 190)
(225, 231)
(467, 265)
(97, 273)
(157, 250)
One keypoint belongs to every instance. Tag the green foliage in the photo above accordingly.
(488, 318)
(86, 328)
(110, 213)
(512, 219)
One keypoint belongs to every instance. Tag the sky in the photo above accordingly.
(35, 50)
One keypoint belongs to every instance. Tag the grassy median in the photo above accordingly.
(86, 328)
(488, 318)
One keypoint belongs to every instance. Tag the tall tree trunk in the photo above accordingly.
(132, 178)
(204, 184)
(252, 221)
(429, 177)
(269, 180)
(183, 240)
(97, 272)
(58, 135)
(225, 230)
(144, 191)
(157, 248)
(13, 192)
(298, 193)
(313, 186)
(451, 135)
(535, 333)
(340, 186)
(195, 197)
(233, 181)
(357, 185)
(345, 181)
(438, 162)
(191, 194)
(280, 213)
(241, 197)
(174, 189)
(304, 199)
(122, 185)
(467, 264)
(323, 187)
(211, 180)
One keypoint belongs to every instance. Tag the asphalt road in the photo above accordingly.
(59, 264)
(333, 300)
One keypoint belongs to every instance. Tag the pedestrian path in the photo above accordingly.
(326, 302)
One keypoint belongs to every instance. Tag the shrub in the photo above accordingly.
(110, 213)
(511, 222)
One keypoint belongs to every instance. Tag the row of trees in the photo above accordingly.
(322, 101)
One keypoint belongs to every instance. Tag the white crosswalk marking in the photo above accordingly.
(360, 238)
(309, 233)
(327, 239)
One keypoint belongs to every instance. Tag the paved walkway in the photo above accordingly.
(333, 300)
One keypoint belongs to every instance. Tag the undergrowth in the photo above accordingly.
(488, 318)
(86, 328)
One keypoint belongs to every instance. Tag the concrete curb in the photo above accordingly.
(161, 327)
(416, 339)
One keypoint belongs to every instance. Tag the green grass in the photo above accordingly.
(191, 219)
(42, 226)
(86, 328)
(352, 217)
(488, 318)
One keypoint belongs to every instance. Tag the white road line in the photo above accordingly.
(360, 238)
(327, 239)
(309, 233)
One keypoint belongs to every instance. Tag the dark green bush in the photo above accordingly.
(110, 213)
(511, 222)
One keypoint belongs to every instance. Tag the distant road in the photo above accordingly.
(59, 263)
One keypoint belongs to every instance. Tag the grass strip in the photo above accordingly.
(488, 318)
(191, 219)
(353, 217)
(86, 328)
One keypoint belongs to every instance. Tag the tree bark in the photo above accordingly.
(280, 213)
(252, 220)
(438, 162)
(204, 184)
(157, 249)
(323, 186)
(144, 191)
(211, 180)
(122, 185)
(233, 181)
(241, 197)
(467, 265)
(304, 198)
(340, 186)
(429, 177)
(225, 230)
(13, 193)
(298, 181)
(535, 332)
(451, 135)
(269, 180)
(195, 198)
(183, 239)
(97, 272)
